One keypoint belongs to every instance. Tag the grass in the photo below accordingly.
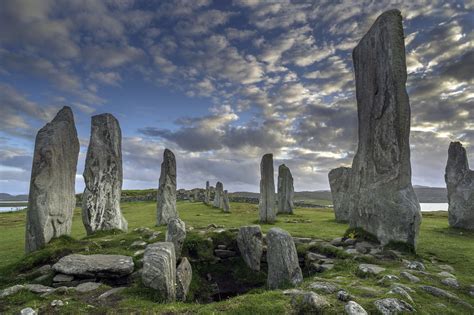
(437, 242)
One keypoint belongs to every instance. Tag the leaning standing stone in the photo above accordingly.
(184, 275)
(166, 199)
(176, 234)
(460, 182)
(103, 177)
(339, 179)
(250, 242)
(383, 201)
(52, 200)
(225, 202)
(267, 190)
(282, 259)
(159, 269)
(218, 196)
(285, 190)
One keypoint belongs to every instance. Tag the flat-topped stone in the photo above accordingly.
(102, 266)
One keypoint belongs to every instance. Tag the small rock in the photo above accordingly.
(224, 253)
(314, 257)
(302, 240)
(391, 306)
(154, 236)
(310, 303)
(139, 252)
(88, 286)
(11, 290)
(292, 292)
(349, 241)
(37, 288)
(369, 269)
(409, 277)
(445, 274)
(414, 265)
(111, 292)
(451, 282)
(28, 311)
(351, 251)
(447, 268)
(353, 308)
(221, 247)
(56, 303)
(363, 247)
(343, 295)
(400, 291)
(324, 287)
(138, 244)
(439, 292)
(387, 279)
(324, 267)
(337, 241)
(62, 278)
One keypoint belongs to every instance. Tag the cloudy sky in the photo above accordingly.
(223, 82)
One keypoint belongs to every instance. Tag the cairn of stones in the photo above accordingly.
(207, 194)
(266, 205)
(460, 183)
(286, 190)
(52, 199)
(383, 201)
(339, 180)
(103, 177)
(219, 196)
(166, 197)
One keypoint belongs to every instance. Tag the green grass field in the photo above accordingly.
(437, 242)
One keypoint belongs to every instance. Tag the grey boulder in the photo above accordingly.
(250, 242)
(392, 306)
(159, 269)
(102, 266)
(353, 308)
(176, 234)
(184, 275)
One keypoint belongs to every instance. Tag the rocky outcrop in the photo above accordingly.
(184, 275)
(102, 266)
(166, 197)
(218, 196)
(383, 201)
(339, 179)
(103, 177)
(282, 259)
(250, 242)
(51, 200)
(207, 194)
(266, 205)
(176, 234)
(460, 182)
(159, 269)
(225, 202)
(286, 190)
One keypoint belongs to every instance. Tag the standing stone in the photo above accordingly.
(225, 202)
(339, 180)
(176, 234)
(52, 200)
(250, 242)
(166, 199)
(207, 194)
(282, 259)
(267, 190)
(383, 201)
(286, 190)
(159, 269)
(460, 182)
(103, 177)
(218, 196)
(184, 275)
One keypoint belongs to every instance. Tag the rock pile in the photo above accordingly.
(267, 190)
(166, 197)
(103, 177)
(52, 198)
(285, 190)
(460, 183)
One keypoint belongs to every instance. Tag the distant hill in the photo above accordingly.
(8, 197)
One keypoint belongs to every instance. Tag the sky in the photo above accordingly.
(221, 83)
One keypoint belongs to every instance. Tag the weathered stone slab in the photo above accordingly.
(102, 266)
(250, 242)
(460, 183)
(225, 202)
(266, 205)
(166, 198)
(52, 199)
(207, 194)
(383, 201)
(159, 269)
(184, 275)
(339, 180)
(218, 196)
(103, 177)
(176, 234)
(286, 190)
(282, 259)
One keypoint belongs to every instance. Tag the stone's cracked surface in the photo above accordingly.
(460, 183)
(286, 190)
(393, 306)
(218, 201)
(383, 201)
(282, 259)
(176, 234)
(103, 177)
(250, 242)
(52, 199)
(159, 269)
(102, 266)
(339, 180)
(166, 197)
(353, 308)
(184, 275)
(266, 205)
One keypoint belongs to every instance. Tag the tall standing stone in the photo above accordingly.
(339, 180)
(460, 183)
(266, 205)
(51, 199)
(282, 259)
(218, 196)
(383, 201)
(286, 190)
(250, 242)
(166, 199)
(225, 202)
(207, 194)
(103, 177)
